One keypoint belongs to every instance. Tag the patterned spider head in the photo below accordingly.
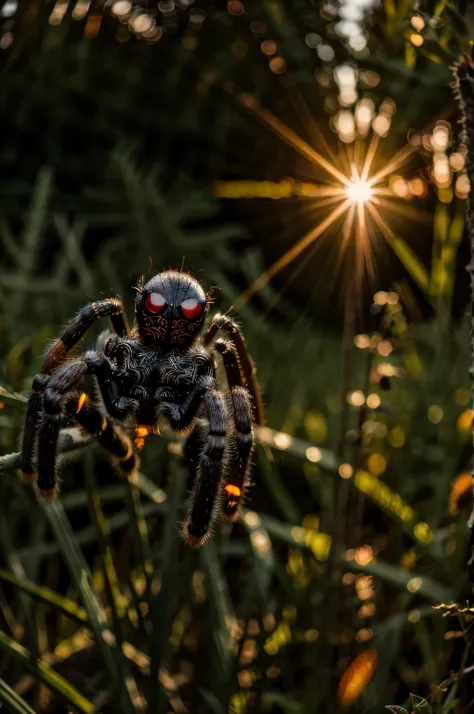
(171, 309)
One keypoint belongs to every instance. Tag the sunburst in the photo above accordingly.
(352, 193)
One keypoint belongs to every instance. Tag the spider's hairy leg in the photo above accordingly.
(54, 358)
(110, 436)
(119, 321)
(180, 416)
(193, 447)
(197, 526)
(242, 440)
(230, 327)
(62, 381)
(85, 318)
(35, 402)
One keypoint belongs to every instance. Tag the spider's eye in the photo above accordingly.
(155, 302)
(191, 307)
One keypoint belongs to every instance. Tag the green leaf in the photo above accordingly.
(449, 703)
(264, 558)
(14, 396)
(81, 575)
(285, 702)
(86, 535)
(163, 604)
(221, 613)
(396, 622)
(420, 705)
(435, 52)
(213, 704)
(412, 263)
(456, 21)
(115, 597)
(45, 674)
(410, 55)
(43, 594)
(276, 486)
(439, 8)
(394, 574)
(12, 701)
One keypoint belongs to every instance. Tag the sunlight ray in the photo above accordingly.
(393, 164)
(383, 225)
(407, 211)
(306, 212)
(344, 159)
(351, 165)
(372, 150)
(290, 255)
(403, 251)
(329, 191)
(346, 231)
(328, 201)
(364, 241)
(384, 191)
(284, 189)
(289, 136)
(310, 123)
(356, 158)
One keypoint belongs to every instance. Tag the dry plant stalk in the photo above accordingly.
(464, 93)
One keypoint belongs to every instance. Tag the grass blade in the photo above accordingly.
(319, 544)
(163, 605)
(223, 617)
(87, 534)
(412, 263)
(12, 701)
(81, 575)
(102, 530)
(43, 594)
(45, 674)
(116, 599)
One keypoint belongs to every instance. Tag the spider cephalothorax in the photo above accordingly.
(171, 309)
(161, 373)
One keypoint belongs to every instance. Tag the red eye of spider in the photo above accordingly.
(191, 307)
(155, 302)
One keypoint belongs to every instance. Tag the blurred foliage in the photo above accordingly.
(343, 585)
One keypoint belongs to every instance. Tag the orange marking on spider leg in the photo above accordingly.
(233, 490)
(140, 433)
(103, 426)
(81, 401)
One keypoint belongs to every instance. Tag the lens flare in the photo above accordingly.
(359, 191)
(359, 196)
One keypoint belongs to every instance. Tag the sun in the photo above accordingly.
(359, 191)
(351, 191)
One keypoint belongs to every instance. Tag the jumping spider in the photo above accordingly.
(160, 373)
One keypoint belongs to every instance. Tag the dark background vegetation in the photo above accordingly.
(321, 598)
